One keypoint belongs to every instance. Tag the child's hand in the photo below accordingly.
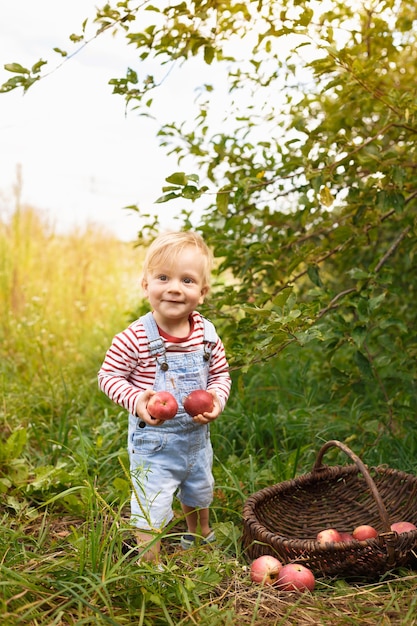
(142, 411)
(206, 418)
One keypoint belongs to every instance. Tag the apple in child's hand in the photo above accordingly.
(265, 569)
(198, 401)
(162, 406)
(403, 527)
(364, 532)
(295, 577)
(329, 535)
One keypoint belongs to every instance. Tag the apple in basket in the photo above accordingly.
(295, 577)
(328, 535)
(265, 569)
(162, 406)
(403, 527)
(346, 537)
(364, 531)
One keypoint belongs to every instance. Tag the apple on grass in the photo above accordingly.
(328, 535)
(364, 531)
(265, 569)
(295, 577)
(403, 527)
(162, 406)
(198, 401)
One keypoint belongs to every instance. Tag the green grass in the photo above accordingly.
(66, 552)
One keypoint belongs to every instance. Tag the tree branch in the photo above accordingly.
(392, 249)
(333, 303)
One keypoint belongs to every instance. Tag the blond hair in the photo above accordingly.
(167, 246)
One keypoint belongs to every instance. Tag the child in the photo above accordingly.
(175, 349)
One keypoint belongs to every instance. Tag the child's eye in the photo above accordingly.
(188, 281)
(163, 277)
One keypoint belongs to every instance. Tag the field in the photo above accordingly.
(66, 554)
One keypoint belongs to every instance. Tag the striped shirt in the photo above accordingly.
(129, 369)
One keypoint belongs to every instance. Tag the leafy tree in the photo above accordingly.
(308, 185)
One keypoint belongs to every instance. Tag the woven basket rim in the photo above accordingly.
(323, 474)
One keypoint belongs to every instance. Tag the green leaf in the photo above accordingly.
(14, 445)
(190, 192)
(76, 38)
(17, 68)
(397, 201)
(363, 363)
(132, 76)
(222, 200)
(10, 84)
(155, 599)
(36, 68)
(18, 471)
(281, 299)
(306, 16)
(358, 274)
(63, 53)
(314, 275)
(238, 196)
(167, 197)
(326, 197)
(178, 178)
(5, 484)
(168, 188)
(375, 303)
(208, 54)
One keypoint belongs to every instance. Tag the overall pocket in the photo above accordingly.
(146, 443)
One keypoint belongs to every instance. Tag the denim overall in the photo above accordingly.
(176, 455)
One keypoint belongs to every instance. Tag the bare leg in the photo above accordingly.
(143, 539)
(195, 518)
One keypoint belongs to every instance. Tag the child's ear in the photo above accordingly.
(144, 285)
(204, 292)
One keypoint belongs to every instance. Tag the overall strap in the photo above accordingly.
(156, 343)
(210, 335)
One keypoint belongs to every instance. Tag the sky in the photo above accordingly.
(79, 157)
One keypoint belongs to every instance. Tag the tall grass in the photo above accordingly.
(66, 552)
(63, 297)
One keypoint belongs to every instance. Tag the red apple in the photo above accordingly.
(364, 532)
(198, 401)
(346, 537)
(403, 527)
(329, 535)
(162, 406)
(265, 569)
(295, 577)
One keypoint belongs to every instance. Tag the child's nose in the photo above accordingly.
(174, 285)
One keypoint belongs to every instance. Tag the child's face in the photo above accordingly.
(175, 289)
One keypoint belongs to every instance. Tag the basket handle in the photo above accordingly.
(362, 467)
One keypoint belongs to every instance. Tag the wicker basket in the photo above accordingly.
(283, 520)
